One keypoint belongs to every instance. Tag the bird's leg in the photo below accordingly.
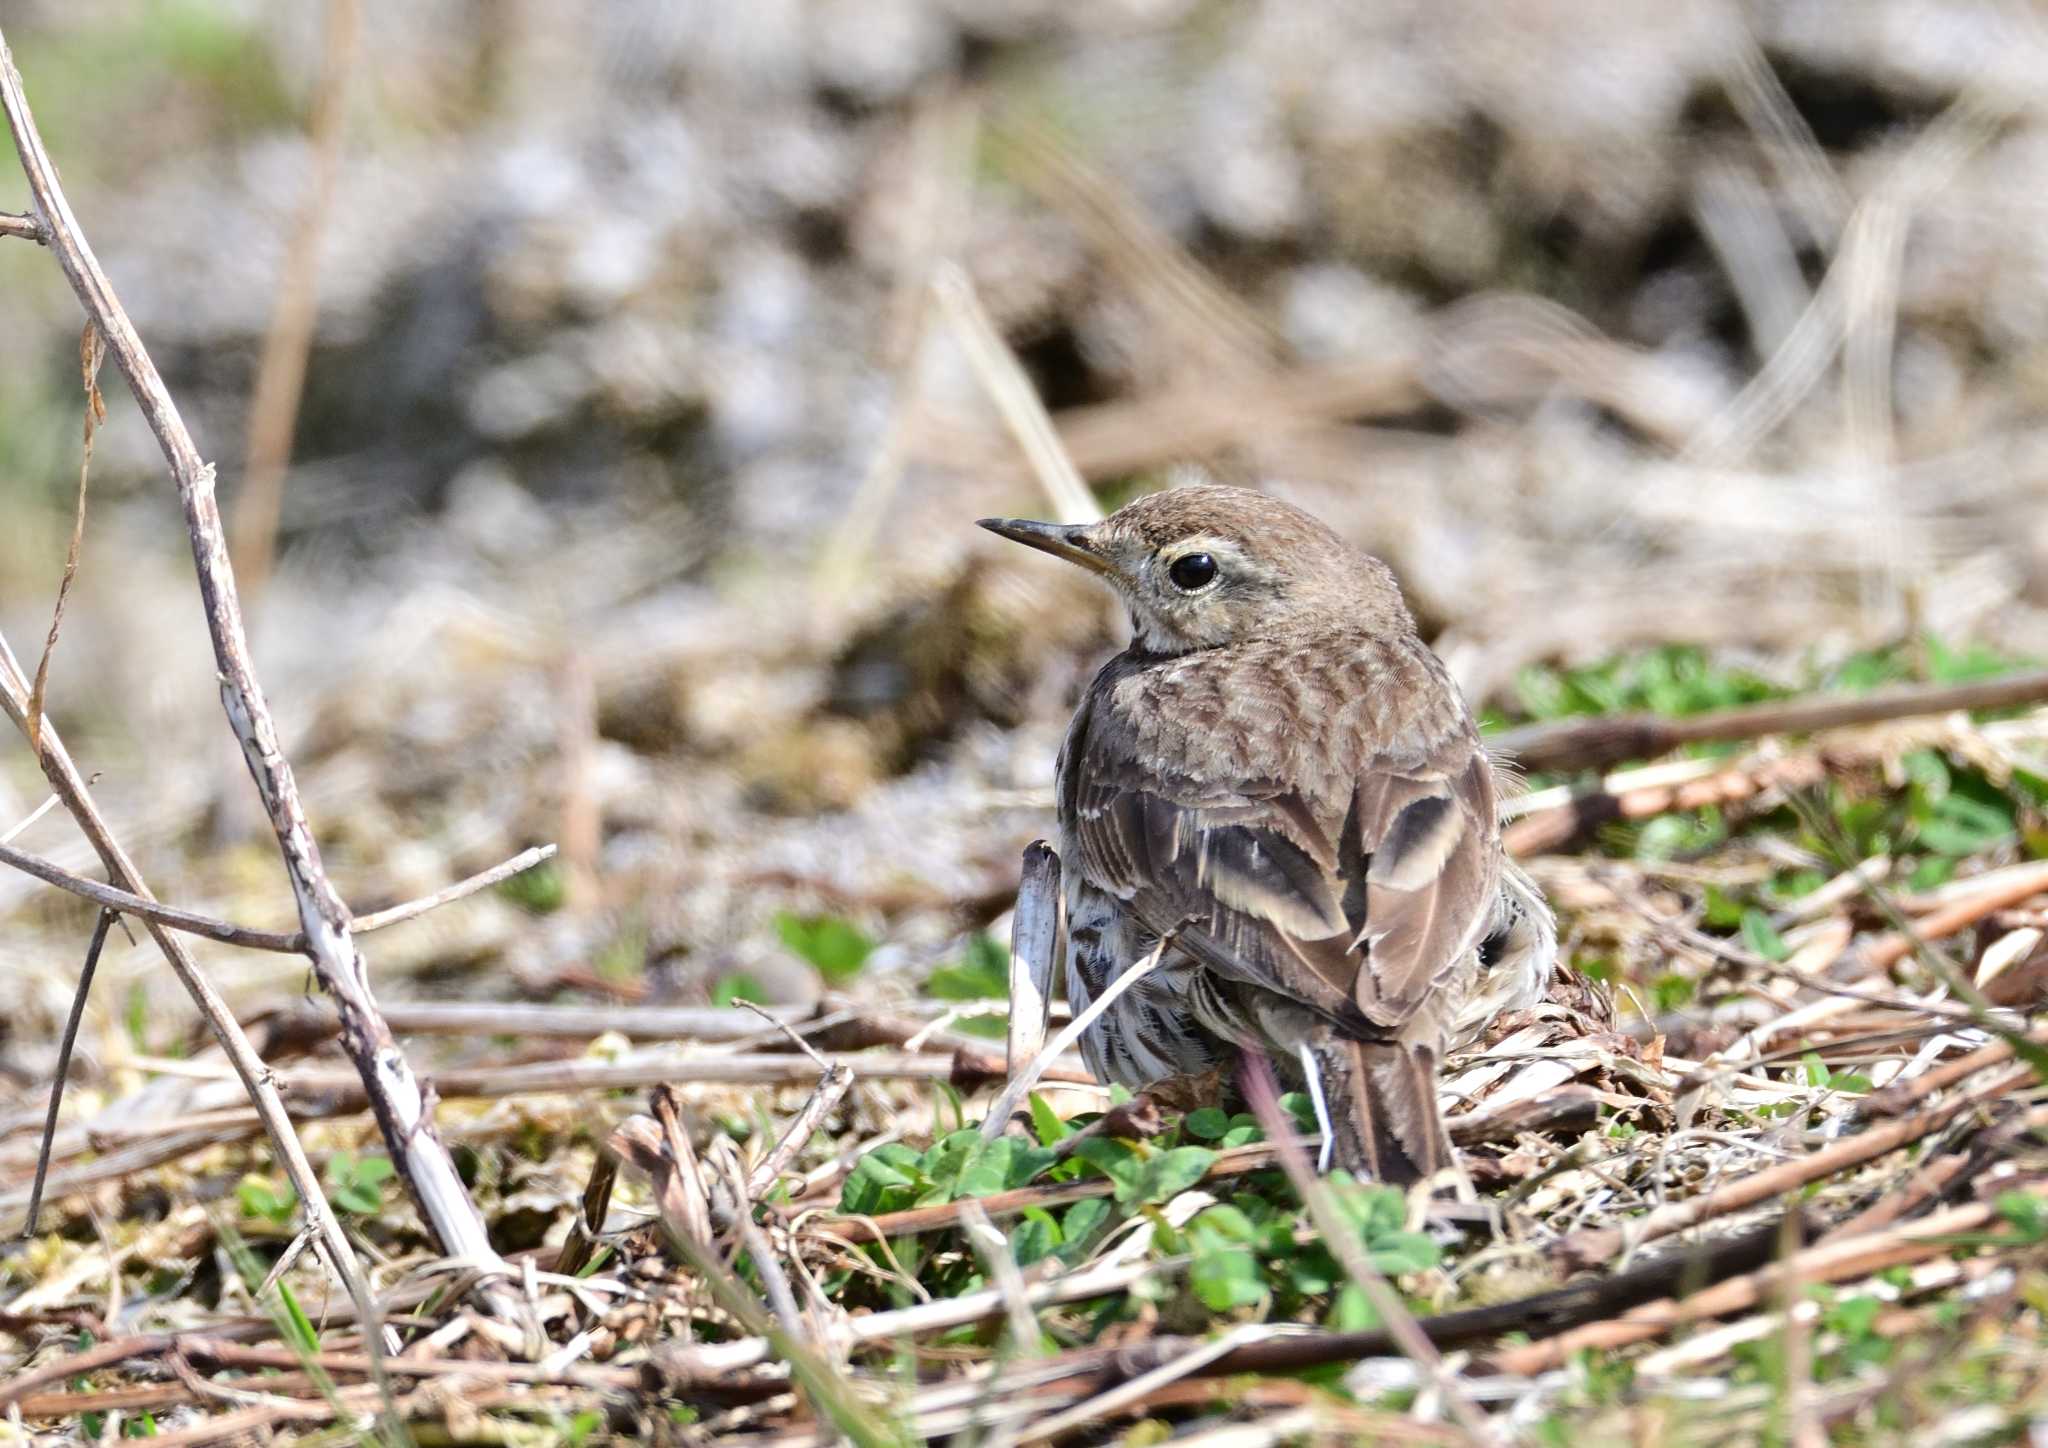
(1314, 1077)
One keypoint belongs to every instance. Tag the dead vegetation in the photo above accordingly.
(1740, 545)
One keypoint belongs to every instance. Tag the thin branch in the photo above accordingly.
(761, 1068)
(86, 972)
(70, 787)
(14, 831)
(1342, 1240)
(1596, 1245)
(92, 352)
(1590, 743)
(1831, 1261)
(1023, 1079)
(28, 228)
(833, 1085)
(402, 1103)
(227, 933)
(483, 880)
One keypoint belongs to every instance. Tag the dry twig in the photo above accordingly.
(402, 1104)
(1609, 739)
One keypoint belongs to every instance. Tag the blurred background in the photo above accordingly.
(602, 467)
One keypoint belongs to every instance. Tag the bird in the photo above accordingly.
(1277, 791)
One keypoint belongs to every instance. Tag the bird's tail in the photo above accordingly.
(1381, 1099)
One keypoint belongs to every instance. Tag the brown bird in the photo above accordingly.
(1280, 780)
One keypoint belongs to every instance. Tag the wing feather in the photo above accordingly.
(1348, 871)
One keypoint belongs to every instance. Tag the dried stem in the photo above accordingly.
(100, 927)
(1604, 1244)
(1342, 1240)
(1590, 743)
(1024, 1078)
(70, 787)
(401, 1102)
(228, 933)
(92, 351)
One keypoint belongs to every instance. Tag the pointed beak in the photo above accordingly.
(1074, 542)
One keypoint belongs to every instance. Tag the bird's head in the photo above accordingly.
(1203, 566)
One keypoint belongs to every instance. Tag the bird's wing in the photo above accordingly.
(1353, 886)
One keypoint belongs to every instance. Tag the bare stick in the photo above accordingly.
(1831, 1261)
(13, 832)
(653, 1069)
(1037, 940)
(294, 943)
(1342, 1240)
(1589, 743)
(25, 227)
(92, 351)
(683, 1363)
(69, 786)
(1022, 1081)
(832, 1089)
(1604, 1244)
(100, 927)
(1551, 829)
(681, 1192)
(2007, 888)
(401, 1103)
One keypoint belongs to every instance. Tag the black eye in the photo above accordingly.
(1192, 571)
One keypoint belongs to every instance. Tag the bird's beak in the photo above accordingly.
(1074, 542)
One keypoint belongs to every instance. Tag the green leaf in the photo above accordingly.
(1670, 992)
(1225, 1222)
(830, 944)
(1962, 824)
(1226, 1277)
(1006, 1162)
(1115, 1160)
(738, 986)
(1046, 1122)
(1170, 1173)
(947, 1160)
(1303, 1109)
(1351, 1311)
(259, 1198)
(1036, 1236)
(1374, 1210)
(296, 1326)
(1206, 1124)
(983, 975)
(541, 889)
(355, 1184)
(2025, 1212)
(1762, 937)
(1312, 1271)
(881, 1181)
(1817, 1073)
(1721, 909)
(1394, 1253)
(1079, 1226)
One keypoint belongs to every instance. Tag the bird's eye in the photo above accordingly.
(1192, 572)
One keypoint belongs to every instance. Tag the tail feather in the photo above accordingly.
(1383, 1110)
